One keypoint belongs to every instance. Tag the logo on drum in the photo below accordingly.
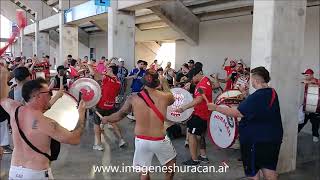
(179, 99)
(87, 93)
(226, 124)
(230, 121)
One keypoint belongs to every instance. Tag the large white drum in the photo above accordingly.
(229, 97)
(64, 111)
(223, 130)
(312, 99)
(182, 97)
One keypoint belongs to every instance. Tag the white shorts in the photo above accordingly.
(146, 149)
(21, 173)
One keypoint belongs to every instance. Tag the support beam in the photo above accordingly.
(147, 18)
(179, 17)
(130, 5)
(278, 44)
(161, 34)
(152, 25)
(223, 6)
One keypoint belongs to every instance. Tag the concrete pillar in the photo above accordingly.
(43, 44)
(70, 42)
(61, 58)
(36, 36)
(121, 34)
(278, 44)
(27, 46)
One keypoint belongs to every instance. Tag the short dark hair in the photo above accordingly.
(47, 56)
(140, 61)
(151, 79)
(73, 62)
(145, 63)
(17, 59)
(21, 73)
(69, 56)
(114, 69)
(159, 69)
(32, 86)
(262, 72)
(103, 57)
(197, 68)
(185, 65)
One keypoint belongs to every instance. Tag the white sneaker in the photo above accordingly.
(98, 147)
(315, 139)
(122, 143)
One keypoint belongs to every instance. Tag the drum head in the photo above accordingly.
(228, 94)
(64, 111)
(222, 129)
(312, 99)
(90, 89)
(182, 97)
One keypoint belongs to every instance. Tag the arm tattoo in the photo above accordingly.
(79, 127)
(35, 124)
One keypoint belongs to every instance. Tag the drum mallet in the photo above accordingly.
(203, 95)
(80, 97)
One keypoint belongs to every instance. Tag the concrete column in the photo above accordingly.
(121, 34)
(36, 36)
(61, 58)
(43, 44)
(278, 44)
(70, 42)
(27, 46)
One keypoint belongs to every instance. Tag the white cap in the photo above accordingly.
(121, 60)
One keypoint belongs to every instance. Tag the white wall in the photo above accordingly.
(100, 43)
(83, 51)
(232, 38)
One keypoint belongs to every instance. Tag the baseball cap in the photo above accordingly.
(121, 60)
(308, 71)
(191, 61)
(21, 73)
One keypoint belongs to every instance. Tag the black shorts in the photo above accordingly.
(103, 112)
(196, 125)
(259, 156)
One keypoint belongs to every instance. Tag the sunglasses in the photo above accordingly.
(49, 92)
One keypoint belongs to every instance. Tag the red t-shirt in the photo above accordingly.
(201, 109)
(229, 83)
(110, 89)
(73, 72)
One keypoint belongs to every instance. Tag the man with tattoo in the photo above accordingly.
(149, 108)
(34, 134)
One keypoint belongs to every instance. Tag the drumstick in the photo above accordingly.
(97, 113)
(202, 94)
(80, 97)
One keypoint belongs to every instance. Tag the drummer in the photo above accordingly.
(149, 130)
(229, 71)
(55, 82)
(313, 117)
(197, 125)
(260, 128)
(110, 88)
(43, 133)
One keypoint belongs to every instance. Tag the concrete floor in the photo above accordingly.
(76, 162)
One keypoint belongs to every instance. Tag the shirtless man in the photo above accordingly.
(149, 130)
(40, 131)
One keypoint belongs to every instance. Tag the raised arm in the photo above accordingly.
(122, 113)
(54, 130)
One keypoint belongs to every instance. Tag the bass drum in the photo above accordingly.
(312, 99)
(229, 97)
(223, 130)
(182, 97)
(64, 111)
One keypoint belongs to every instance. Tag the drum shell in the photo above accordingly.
(312, 99)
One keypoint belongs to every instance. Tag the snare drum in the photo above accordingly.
(312, 99)
(223, 130)
(64, 111)
(182, 97)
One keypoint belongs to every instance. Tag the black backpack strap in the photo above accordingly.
(25, 138)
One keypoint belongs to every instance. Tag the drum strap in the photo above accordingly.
(273, 97)
(151, 104)
(54, 143)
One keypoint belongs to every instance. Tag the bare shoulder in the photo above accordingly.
(9, 105)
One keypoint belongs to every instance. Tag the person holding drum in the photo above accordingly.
(149, 107)
(314, 117)
(197, 125)
(34, 135)
(110, 88)
(229, 70)
(260, 127)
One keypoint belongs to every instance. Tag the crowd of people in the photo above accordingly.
(36, 138)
